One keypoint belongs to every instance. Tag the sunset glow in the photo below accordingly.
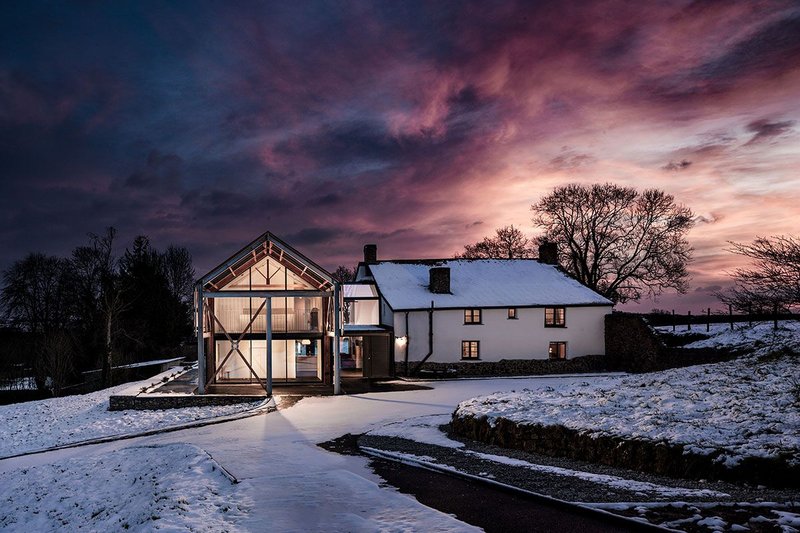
(417, 126)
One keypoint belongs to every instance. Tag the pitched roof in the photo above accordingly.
(481, 283)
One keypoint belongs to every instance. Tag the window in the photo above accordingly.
(472, 316)
(512, 313)
(557, 350)
(470, 349)
(555, 317)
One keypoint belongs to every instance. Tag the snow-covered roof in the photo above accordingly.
(480, 283)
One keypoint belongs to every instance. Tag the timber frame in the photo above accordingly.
(215, 285)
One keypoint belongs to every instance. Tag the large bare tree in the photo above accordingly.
(772, 281)
(508, 242)
(616, 240)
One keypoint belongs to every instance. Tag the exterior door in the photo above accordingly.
(377, 357)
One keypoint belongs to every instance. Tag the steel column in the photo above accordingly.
(201, 355)
(337, 364)
(269, 346)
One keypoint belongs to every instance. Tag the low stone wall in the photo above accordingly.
(632, 345)
(154, 403)
(644, 455)
(509, 367)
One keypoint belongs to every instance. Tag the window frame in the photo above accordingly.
(471, 312)
(468, 345)
(555, 323)
(561, 346)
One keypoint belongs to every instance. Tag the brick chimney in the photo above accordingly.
(439, 280)
(548, 253)
(370, 254)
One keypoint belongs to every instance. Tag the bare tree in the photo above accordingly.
(507, 243)
(178, 269)
(57, 360)
(101, 292)
(618, 241)
(38, 298)
(343, 274)
(772, 281)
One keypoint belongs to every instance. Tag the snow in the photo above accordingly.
(474, 283)
(295, 484)
(743, 408)
(420, 429)
(760, 338)
(42, 424)
(174, 487)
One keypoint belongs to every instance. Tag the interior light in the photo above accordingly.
(401, 341)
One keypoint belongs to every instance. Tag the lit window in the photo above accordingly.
(555, 317)
(472, 316)
(557, 350)
(512, 313)
(470, 349)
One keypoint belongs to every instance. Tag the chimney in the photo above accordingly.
(370, 254)
(439, 280)
(548, 253)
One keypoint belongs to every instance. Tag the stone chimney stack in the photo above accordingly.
(548, 253)
(370, 254)
(439, 280)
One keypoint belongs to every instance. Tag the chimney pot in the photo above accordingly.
(370, 254)
(548, 253)
(439, 280)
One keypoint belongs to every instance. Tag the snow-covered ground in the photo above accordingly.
(758, 339)
(37, 425)
(174, 487)
(746, 408)
(287, 482)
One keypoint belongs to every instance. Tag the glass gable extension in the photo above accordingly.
(361, 304)
(239, 336)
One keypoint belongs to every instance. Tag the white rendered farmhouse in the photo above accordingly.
(464, 310)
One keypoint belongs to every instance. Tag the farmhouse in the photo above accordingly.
(468, 310)
(271, 315)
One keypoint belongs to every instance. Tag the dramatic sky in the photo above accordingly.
(417, 126)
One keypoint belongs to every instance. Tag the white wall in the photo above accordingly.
(501, 338)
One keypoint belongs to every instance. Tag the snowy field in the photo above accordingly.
(745, 408)
(175, 487)
(37, 425)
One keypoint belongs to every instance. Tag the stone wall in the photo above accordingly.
(153, 403)
(508, 367)
(632, 345)
(644, 455)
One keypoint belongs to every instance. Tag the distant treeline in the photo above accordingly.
(92, 310)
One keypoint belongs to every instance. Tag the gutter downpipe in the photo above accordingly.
(337, 364)
(408, 343)
(430, 340)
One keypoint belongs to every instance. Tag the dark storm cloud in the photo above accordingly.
(336, 123)
(765, 130)
(766, 54)
(683, 164)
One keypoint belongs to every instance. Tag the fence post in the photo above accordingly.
(730, 315)
(689, 322)
(673, 320)
(775, 316)
(708, 320)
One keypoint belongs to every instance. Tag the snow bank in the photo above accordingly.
(175, 487)
(43, 424)
(743, 408)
